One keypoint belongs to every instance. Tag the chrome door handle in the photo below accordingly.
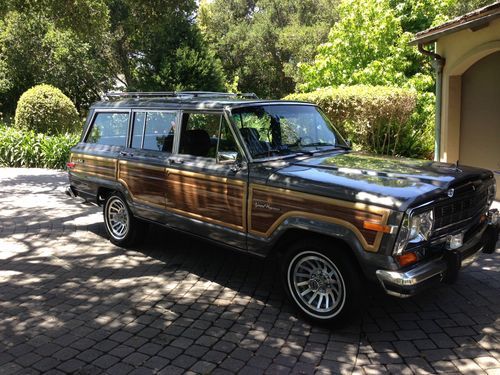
(176, 160)
(124, 153)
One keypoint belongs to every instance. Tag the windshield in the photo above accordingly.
(277, 130)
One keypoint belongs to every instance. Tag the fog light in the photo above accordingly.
(455, 241)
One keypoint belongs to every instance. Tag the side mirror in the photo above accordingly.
(348, 142)
(227, 156)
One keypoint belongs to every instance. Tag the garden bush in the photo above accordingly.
(45, 109)
(26, 148)
(377, 119)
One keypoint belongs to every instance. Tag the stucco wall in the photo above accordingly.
(480, 115)
(461, 50)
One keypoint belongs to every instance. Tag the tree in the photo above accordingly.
(367, 46)
(261, 42)
(158, 46)
(370, 43)
(459, 7)
(56, 43)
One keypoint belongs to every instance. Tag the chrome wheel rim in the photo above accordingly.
(316, 284)
(117, 218)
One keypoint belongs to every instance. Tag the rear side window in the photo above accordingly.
(154, 131)
(109, 129)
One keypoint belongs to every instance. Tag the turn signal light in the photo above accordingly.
(70, 165)
(406, 259)
(377, 227)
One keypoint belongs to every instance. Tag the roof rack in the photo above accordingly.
(176, 94)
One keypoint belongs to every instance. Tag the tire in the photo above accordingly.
(322, 281)
(122, 228)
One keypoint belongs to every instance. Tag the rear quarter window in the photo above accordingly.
(109, 128)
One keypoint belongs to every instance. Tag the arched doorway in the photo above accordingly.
(480, 115)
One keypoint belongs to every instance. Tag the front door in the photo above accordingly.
(207, 179)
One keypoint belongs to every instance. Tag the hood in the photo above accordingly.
(396, 183)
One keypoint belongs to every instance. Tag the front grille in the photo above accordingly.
(468, 202)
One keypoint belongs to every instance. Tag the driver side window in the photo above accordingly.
(208, 135)
(227, 149)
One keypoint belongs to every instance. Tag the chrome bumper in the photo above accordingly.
(406, 283)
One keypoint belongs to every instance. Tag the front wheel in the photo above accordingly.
(321, 281)
(121, 226)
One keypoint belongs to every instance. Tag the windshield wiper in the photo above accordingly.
(278, 154)
(317, 144)
(324, 147)
(345, 147)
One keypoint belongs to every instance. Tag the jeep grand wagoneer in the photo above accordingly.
(276, 178)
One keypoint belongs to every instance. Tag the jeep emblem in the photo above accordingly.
(451, 192)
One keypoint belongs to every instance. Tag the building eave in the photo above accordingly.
(474, 20)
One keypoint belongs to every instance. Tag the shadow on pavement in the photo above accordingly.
(71, 300)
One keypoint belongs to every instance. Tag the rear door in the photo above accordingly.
(96, 157)
(207, 179)
(142, 167)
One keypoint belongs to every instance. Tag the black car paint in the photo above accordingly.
(398, 184)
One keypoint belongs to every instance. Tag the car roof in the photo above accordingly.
(194, 103)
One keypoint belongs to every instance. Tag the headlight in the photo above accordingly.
(415, 228)
(492, 190)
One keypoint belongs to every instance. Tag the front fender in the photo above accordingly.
(369, 261)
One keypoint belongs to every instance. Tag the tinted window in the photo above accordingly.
(159, 133)
(200, 134)
(138, 129)
(227, 150)
(109, 129)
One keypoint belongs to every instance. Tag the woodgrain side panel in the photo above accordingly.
(214, 199)
(269, 207)
(146, 183)
(94, 165)
(217, 199)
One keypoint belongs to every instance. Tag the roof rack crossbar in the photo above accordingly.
(177, 94)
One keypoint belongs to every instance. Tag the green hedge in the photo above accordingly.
(377, 119)
(25, 148)
(45, 109)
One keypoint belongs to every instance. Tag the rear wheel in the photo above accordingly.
(121, 226)
(321, 281)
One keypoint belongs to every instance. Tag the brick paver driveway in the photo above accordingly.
(70, 302)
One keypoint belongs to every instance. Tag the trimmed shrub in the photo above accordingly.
(45, 109)
(25, 148)
(377, 119)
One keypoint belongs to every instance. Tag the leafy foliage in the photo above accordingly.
(59, 43)
(261, 42)
(26, 148)
(459, 7)
(367, 46)
(375, 118)
(159, 47)
(45, 109)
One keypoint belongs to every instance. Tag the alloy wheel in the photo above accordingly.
(117, 218)
(316, 284)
